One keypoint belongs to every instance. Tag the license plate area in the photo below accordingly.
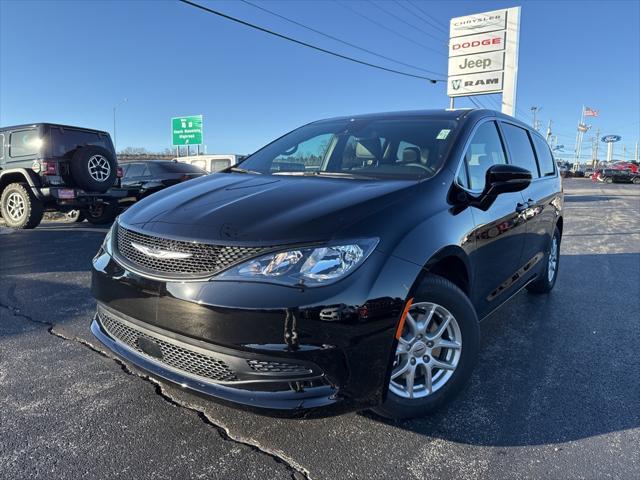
(66, 193)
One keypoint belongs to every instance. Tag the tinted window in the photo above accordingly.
(1, 145)
(520, 148)
(484, 151)
(545, 158)
(24, 142)
(370, 147)
(135, 170)
(178, 167)
(65, 141)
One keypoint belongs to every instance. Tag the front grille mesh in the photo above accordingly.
(182, 358)
(205, 259)
(265, 366)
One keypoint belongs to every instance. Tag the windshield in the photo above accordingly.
(370, 148)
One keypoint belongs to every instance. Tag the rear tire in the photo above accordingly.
(608, 180)
(636, 181)
(547, 279)
(421, 351)
(20, 208)
(102, 213)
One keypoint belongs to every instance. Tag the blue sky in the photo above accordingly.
(72, 61)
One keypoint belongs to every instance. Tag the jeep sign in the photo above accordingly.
(482, 62)
(483, 55)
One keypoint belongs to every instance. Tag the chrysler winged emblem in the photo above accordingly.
(157, 253)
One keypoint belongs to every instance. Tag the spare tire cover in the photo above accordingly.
(93, 168)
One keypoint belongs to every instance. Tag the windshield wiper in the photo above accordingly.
(325, 174)
(243, 170)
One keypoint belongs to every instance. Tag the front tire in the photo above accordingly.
(20, 208)
(436, 352)
(547, 280)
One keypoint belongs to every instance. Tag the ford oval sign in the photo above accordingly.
(611, 138)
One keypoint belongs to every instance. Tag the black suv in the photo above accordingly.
(46, 166)
(344, 266)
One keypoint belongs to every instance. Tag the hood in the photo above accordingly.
(263, 210)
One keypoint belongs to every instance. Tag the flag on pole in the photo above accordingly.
(590, 112)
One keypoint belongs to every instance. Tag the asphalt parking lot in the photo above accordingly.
(556, 394)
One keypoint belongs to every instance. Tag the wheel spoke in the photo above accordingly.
(442, 343)
(428, 379)
(441, 329)
(403, 346)
(442, 365)
(410, 378)
(402, 371)
(409, 320)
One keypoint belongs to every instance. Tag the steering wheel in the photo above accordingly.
(424, 167)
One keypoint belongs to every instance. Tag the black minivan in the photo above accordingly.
(344, 266)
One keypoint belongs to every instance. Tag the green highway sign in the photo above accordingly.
(186, 130)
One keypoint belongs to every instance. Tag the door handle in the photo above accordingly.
(521, 207)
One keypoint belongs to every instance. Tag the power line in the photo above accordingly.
(305, 44)
(413, 13)
(400, 19)
(436, 22)
(344, 42)
(384, 27)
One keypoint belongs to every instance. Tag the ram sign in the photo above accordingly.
(483, 55)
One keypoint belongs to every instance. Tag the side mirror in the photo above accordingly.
(506, 178)
(500, 179)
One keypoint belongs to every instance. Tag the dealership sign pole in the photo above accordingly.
(610, 140)
(483, 56)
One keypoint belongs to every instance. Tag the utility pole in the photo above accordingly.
(636, 150)
(597, 145)
(124, 100)
(549, 130)
(624, 153)
(535, 110)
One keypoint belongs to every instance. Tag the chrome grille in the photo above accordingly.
(265, 366)
(182, 358)
(205, 259)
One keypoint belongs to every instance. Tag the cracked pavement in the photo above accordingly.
(556, 394)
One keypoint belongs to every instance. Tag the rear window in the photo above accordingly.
(179, 167)
(520, 148)
(65, 141)
(545, 159)
(217, 165)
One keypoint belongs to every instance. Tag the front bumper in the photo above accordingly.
(292, 352)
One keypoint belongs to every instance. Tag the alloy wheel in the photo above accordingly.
(553, 259)
(428, 351)
(99, 168)
(16, 206)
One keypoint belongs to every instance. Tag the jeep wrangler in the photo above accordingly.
(50, 167)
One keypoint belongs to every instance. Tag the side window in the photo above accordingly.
(23, 143)
(545, 158)
(125, 168)
(484, 151)
(1, 146)
(520, 148)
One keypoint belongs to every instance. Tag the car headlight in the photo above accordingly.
(308, 266)
(107, 243)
